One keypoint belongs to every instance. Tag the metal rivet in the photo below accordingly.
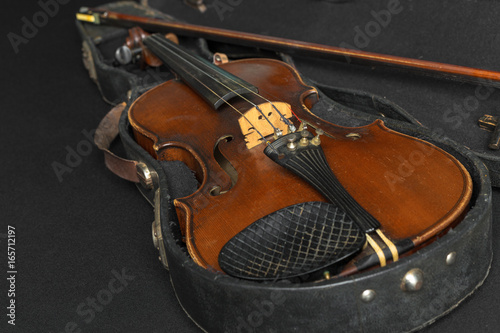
(155, 236)
(451, 258)
(413, 280)
(368, 295)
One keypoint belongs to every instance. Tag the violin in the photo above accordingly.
(281, 191)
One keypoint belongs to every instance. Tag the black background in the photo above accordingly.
(73, 232)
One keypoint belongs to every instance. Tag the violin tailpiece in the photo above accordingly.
(292, 241)
(309, 162)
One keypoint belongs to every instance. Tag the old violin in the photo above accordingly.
(281, 191)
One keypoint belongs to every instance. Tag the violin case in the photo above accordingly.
(383, 299)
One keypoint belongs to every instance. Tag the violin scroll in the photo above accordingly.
(134, 49)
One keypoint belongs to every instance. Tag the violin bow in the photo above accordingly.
(294, 47)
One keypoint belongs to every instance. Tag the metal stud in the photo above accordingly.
(155, 237)
(451, 258)
(413, 280)
(368, 295)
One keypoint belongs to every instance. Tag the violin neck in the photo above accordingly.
(212, 83)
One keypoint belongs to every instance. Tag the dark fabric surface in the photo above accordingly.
(83, 235)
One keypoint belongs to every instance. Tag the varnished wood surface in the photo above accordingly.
(413, 188)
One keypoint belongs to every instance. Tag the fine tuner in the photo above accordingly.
(305, 139)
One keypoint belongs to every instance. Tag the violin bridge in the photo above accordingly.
(264, 120)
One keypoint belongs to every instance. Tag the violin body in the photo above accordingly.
(222, 303)
(414, 189)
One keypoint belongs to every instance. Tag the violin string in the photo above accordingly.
(229, 104)
(159, 39)
(283, 118)
(373, 244)
(235, 109)
(290, 108)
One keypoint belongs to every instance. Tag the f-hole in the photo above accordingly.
(225, 165)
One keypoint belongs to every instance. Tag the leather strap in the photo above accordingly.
(106, 132)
